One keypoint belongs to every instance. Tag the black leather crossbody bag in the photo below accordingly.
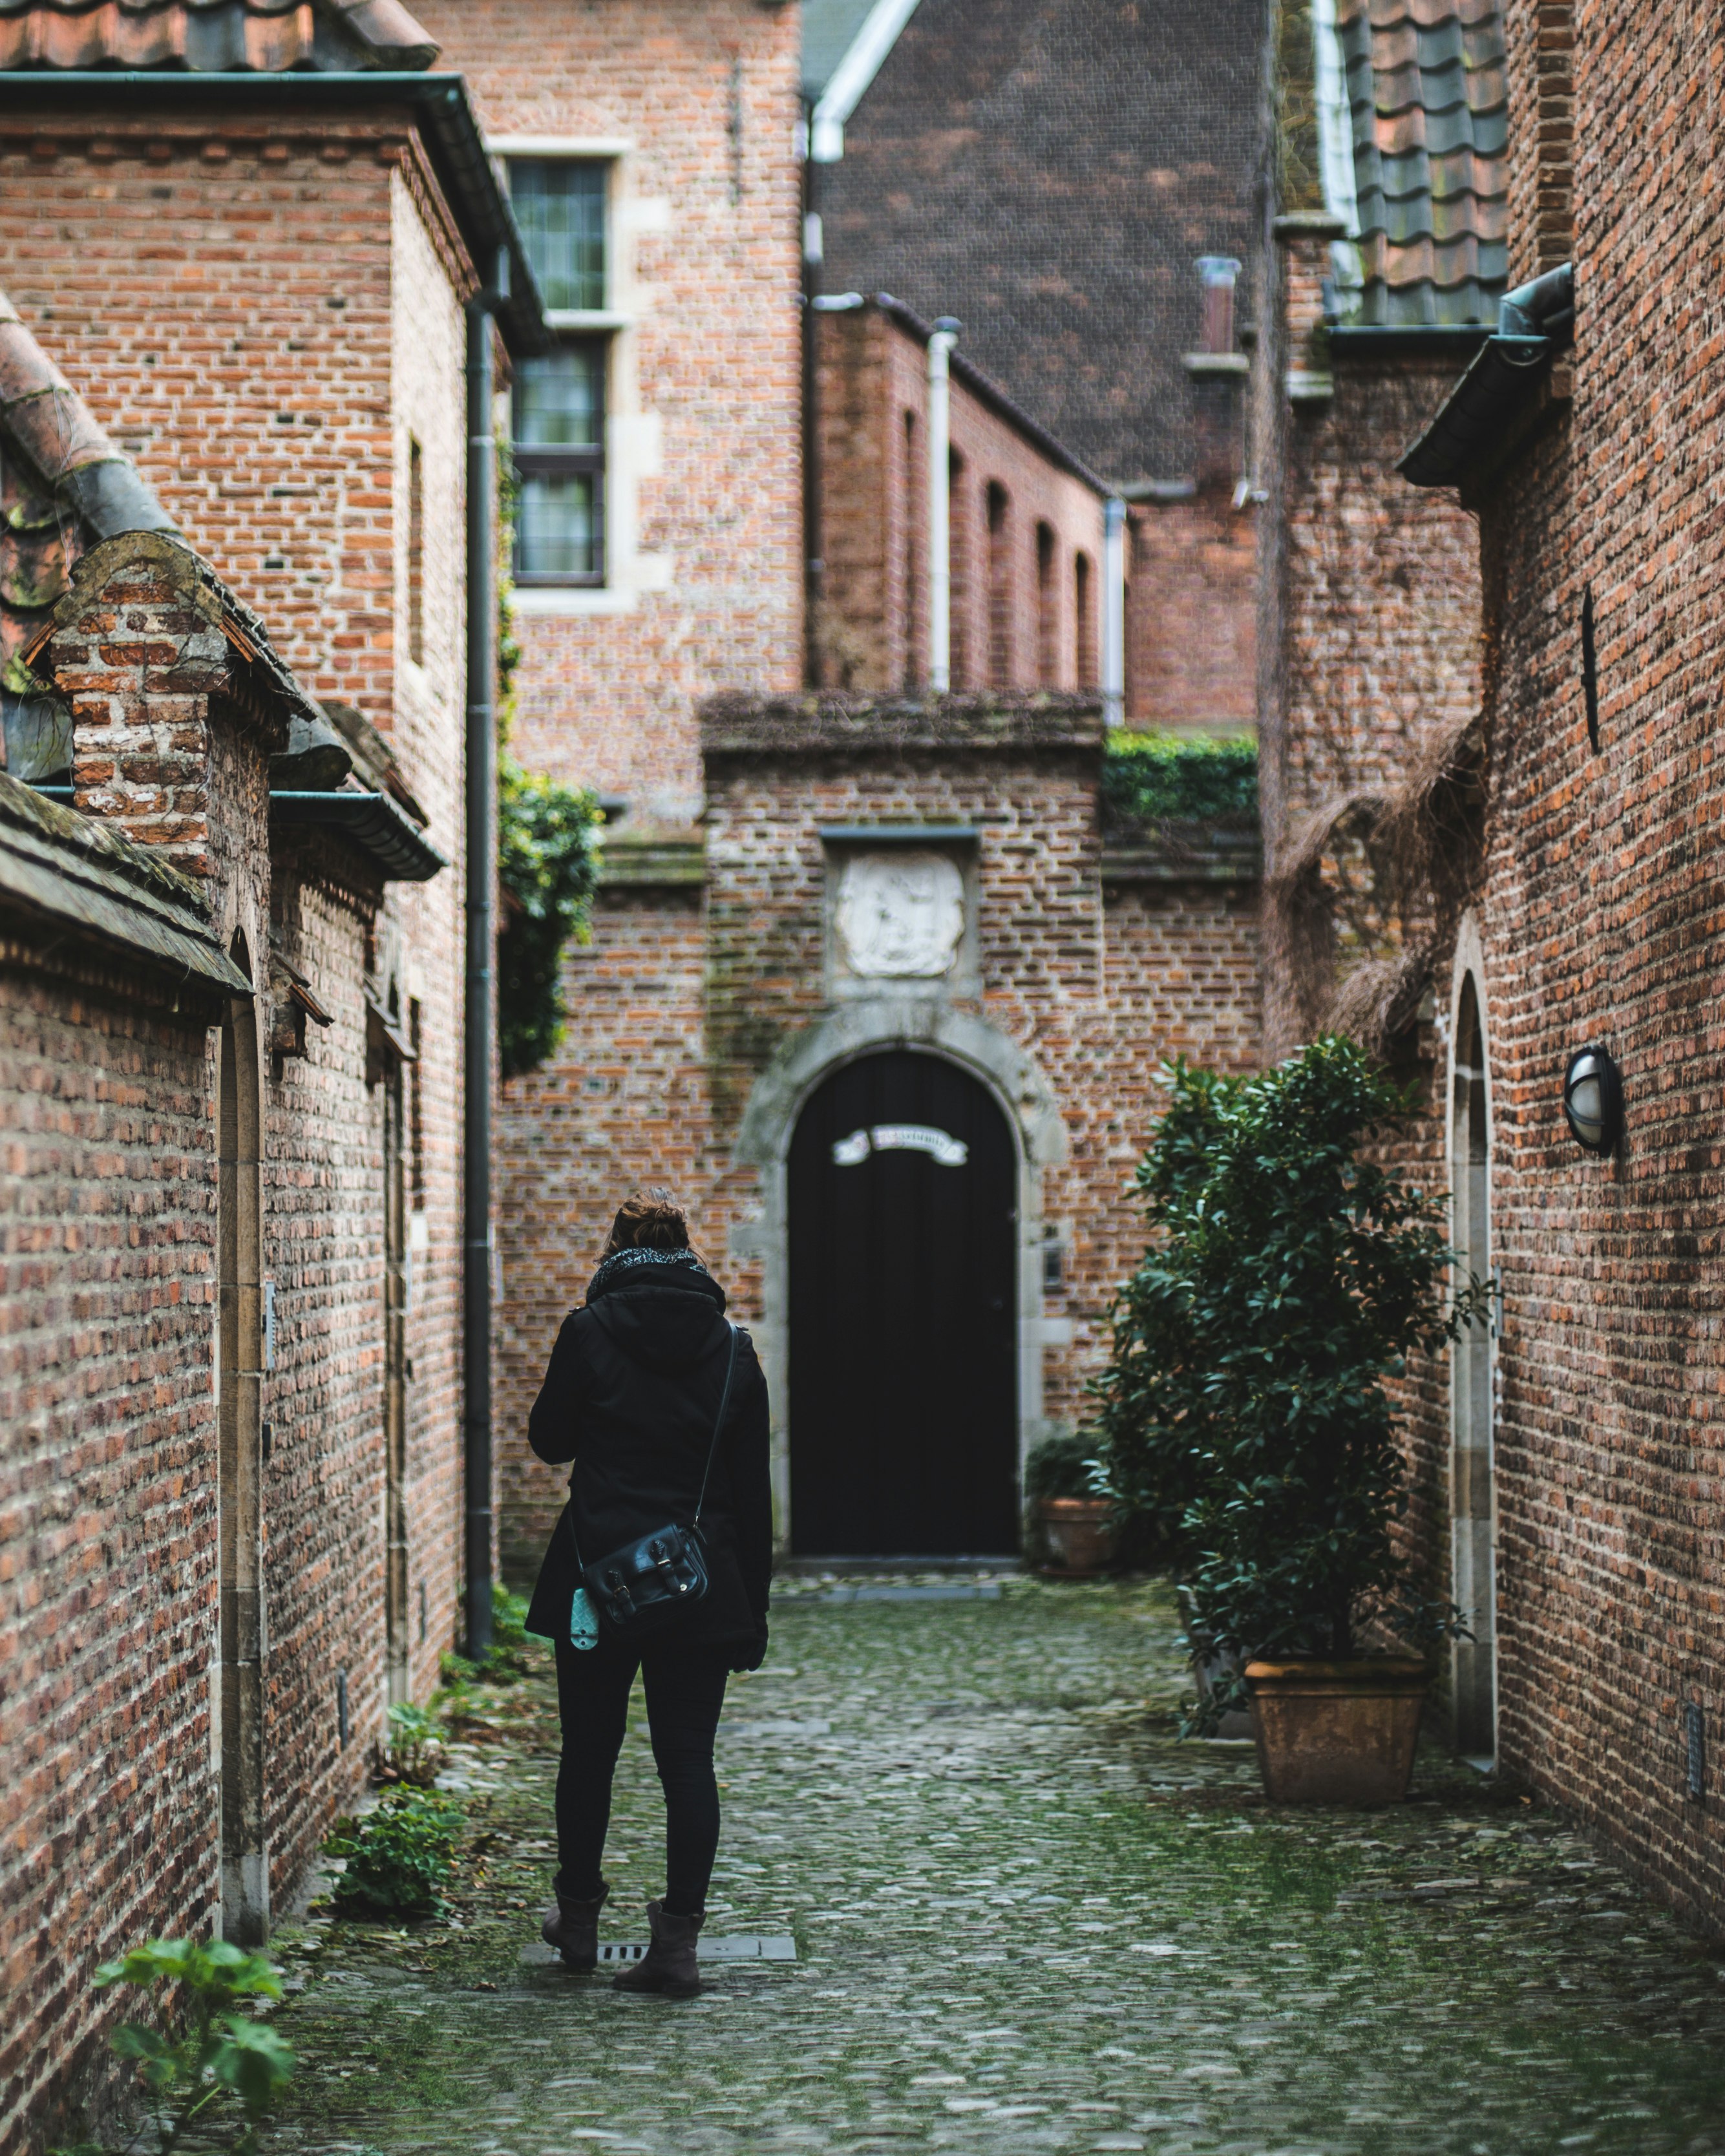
(640, 1589)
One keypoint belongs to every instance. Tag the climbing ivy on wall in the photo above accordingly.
(547, 861)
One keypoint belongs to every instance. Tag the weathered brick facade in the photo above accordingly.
(1575, 1456)
(1024, 519)
(264, 303)
(706, 989)
(692, 107)
(1597, 922)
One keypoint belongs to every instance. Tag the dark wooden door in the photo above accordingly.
(903, 1376)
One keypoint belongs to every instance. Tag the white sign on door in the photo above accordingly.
(901, 1138)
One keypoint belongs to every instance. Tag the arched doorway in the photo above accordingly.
(245, 1870)
(903, 1298)
(1473, 1510)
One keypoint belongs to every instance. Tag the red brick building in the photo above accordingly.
(1075, 185)
(659, 562)
(1025, 521)
(257, 281)
(1582, 455)
(650, 155)
(914, 897)
(1567, 1467)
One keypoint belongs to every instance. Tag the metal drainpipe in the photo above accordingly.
(941, 342)
(814, 568)
(481, 879)
(1114, 611)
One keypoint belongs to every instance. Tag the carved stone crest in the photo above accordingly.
(901, 916)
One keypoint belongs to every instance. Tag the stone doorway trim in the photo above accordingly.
(763, 1142)
(1473, 1502)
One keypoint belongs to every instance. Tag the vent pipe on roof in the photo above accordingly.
(945, 334)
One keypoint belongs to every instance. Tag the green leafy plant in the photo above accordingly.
(547, 861)
(1160, 778)
(204, 2049)
(1243, 1417)
(414, 1752)
(398, 1858)
(1063, 1466)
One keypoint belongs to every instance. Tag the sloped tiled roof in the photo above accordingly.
(1426, 88)
(72, 875)
(208, 37)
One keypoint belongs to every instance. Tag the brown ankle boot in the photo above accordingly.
(668, 1965)
(572, 1927)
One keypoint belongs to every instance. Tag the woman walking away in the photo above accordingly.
(659, 1562)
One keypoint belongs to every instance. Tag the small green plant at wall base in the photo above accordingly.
(398, 1858)
(414, 1752)
(1177, 778)
(1243, 1416)
(1063, 1467)
(204, 2055)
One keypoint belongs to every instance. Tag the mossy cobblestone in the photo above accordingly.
(1028, 1918)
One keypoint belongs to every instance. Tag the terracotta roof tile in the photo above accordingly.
(204, 37)
(1426, 90)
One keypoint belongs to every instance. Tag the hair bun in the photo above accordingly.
(650, 1223)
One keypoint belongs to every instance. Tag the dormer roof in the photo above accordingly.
(1428, 105)
(213, 37)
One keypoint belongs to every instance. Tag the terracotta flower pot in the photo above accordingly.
(1337, 1732)
(1076, 1533)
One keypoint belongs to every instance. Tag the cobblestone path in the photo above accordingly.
(1027, 1918)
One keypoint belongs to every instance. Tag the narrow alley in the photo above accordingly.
(1026, 1917)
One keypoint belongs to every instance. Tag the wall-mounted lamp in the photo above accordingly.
(1593, 1100)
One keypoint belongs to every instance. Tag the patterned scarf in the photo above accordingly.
(614, 1270)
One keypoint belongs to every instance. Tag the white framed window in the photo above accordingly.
(562, 204)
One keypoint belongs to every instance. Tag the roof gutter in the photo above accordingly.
(1535, 322)
(442, 109)
(849, 80)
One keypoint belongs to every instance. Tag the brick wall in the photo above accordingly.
(264, 317)
(264, 313)
(698, 104)
(1599, 923)
(1191, 656)
(221, 294)
(107, 1497)
(1379, 596)
(678, 1010)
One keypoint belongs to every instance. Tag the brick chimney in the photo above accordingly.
(171, 740)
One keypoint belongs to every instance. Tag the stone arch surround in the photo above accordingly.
(763, 1142)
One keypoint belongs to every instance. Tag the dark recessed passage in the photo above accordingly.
(1590, 672)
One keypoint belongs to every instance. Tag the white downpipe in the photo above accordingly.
(1114, 611)
(940, 528)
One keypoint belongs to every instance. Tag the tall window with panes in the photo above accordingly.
(560, 203)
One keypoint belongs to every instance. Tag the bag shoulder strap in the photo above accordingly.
(719, 1420)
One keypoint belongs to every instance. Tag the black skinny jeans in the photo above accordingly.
(685, 1691)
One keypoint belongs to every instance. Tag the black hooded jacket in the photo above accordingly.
(630, 1398)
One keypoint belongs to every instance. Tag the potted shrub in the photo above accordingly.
(1244, 1412)
(1073, 1517)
